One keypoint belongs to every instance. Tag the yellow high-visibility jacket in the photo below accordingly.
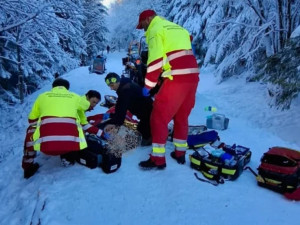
(86, 126)
(169, 51)
(58, 128)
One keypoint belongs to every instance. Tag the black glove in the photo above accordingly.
(30, 171)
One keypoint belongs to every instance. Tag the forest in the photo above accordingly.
(257, 40)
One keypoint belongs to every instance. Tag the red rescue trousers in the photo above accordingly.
(175, 100)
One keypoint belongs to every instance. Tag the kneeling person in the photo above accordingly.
(54, 126)
(130, 97)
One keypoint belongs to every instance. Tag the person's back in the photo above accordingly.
(59, 102)
(176, 38)
(56, 112)
(174, 33)
(54, 125)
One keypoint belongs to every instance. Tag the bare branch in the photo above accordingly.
(10, 60)
(20, 23)
(251, 5)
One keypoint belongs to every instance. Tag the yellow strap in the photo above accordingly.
(228, 171)
(211, 166)
(195, 161)
(207, 175)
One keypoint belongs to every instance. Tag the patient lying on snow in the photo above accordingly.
(121, 139)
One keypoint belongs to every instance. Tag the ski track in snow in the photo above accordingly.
(78, 195)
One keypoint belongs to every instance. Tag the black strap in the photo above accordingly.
(213, 182)
(251, 170)
(255, 174)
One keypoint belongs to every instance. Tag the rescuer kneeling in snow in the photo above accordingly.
(54, 126)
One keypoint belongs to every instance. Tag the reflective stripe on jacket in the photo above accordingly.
(169, 51)
(58, 128)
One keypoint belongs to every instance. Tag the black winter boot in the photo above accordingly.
(149, 164)
(180, 160)
(68, 159)
(29, 172)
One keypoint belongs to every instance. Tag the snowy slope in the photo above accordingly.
(78, 195)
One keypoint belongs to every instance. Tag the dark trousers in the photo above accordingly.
(144, 128)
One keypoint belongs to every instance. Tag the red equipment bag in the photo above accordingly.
(280, 170)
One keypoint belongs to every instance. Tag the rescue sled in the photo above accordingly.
(98, 65)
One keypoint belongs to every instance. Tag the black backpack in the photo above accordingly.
(98, 155)
(110, 162)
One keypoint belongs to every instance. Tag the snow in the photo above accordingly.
(296, 32)
(77, 195)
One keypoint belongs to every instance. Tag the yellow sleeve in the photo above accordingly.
(82, 117)
(84, 104)
(35, 111)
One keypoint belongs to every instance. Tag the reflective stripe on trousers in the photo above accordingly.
(158, 150)
(180, 145)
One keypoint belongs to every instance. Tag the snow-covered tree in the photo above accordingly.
(236, 36)
(124, 18)
(95, 30)
(39, 38)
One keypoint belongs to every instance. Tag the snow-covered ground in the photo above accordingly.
(78, 195)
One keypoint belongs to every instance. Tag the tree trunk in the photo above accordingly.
(289, 19)
(281, 23)
(20, 72)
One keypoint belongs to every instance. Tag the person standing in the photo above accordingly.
(54, 126)
(169, 56)
(107, 48)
